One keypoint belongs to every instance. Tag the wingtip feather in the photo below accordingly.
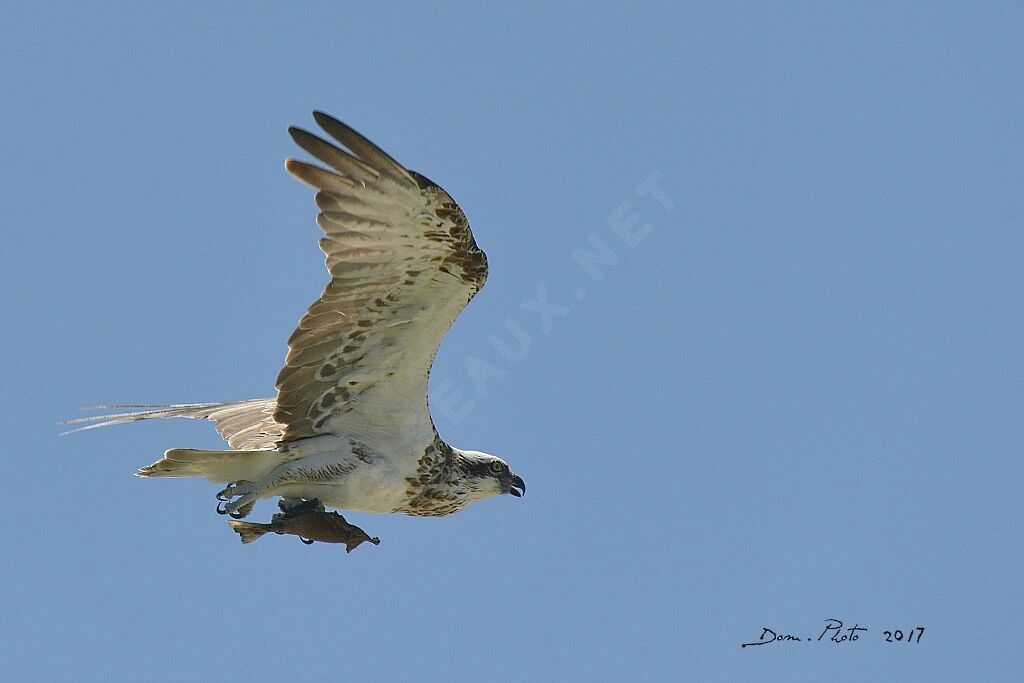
(362, 147)
(317, 177)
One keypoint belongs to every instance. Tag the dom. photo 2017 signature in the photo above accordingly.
(835, 632)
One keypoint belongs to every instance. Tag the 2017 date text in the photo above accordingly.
(835, 632)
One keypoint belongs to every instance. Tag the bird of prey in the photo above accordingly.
(350, 426)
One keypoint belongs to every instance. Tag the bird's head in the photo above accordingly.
(487, 475)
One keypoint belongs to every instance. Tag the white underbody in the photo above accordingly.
(340, 473)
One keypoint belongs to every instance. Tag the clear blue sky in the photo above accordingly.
(789, 391)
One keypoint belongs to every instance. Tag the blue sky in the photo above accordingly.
(777, 377)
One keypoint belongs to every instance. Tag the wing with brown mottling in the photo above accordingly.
(403, 264)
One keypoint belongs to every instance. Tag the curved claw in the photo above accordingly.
(221, 496)
(306, 541)
(221, 510)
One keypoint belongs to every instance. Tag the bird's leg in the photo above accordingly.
(239, 496)
(246, 494)
(233, 489)
(243, 511)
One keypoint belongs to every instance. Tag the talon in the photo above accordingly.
(220, 510)
(227, 493)
(306, 541)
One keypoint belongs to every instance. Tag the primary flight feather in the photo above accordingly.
(350, 426)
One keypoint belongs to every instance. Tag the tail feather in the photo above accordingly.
(216, 466)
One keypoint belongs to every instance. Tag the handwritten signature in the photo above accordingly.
(836, 632)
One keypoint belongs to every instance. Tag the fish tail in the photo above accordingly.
(248, 531)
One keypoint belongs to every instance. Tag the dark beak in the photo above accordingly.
(518, 487)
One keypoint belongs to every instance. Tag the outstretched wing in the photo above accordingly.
(403, 264)
(245, 425)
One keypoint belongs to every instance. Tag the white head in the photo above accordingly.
(484, 475)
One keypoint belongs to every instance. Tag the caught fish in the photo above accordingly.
(310, 523)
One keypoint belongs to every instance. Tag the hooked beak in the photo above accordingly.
(517, 487)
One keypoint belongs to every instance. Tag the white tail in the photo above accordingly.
(217, 466)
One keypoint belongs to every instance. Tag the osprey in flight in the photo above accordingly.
(350, 425)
